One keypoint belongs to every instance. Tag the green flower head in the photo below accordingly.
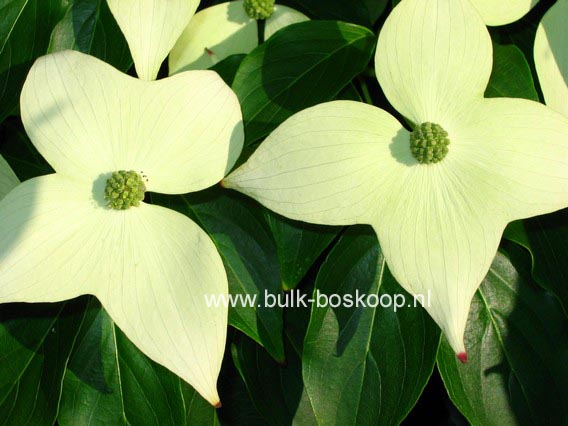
(259, 9)
(438, 197)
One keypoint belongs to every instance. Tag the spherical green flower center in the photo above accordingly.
(259, 9)
(429, 143)
(124, 190)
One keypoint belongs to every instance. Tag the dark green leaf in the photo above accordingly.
(228, 67)
(241, 234)
(546, 238)
(25, 26)
(238, 408)
(362, 12)
(35, 345)
(522, 32)
(89, 27)
(108, 381)
(511, 76)
(517, 345)
(362, 364)
(277, 390)
(302, 65)
(299, 245)
(19, 152)
(349, 93)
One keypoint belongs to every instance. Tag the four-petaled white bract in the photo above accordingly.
(149, 266)
(439, 225)
(222, 30)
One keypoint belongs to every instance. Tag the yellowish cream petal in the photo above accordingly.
(86, 118)
(551, 56)
(151, 28)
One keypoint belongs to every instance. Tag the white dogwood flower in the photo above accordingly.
(86, 230)
(151, 28)
(438, 197)
(551, 56)
(226, 29)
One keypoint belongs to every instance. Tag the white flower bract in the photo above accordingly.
(502, 12)
(551, 56)
(149, 266)
(151, 28)
(439, 225)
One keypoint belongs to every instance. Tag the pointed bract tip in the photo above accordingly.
(462, 356)
(218, 405)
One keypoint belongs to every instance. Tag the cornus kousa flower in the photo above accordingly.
(438, 196)
(503, 11)
(227, 29)
(551, 56)
(86, 229)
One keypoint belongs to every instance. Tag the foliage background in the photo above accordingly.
(69, 363)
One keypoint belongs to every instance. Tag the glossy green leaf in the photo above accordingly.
(299, 245)
(240, 232)
(511, 76)
(227, 68)
(277, 390)
(35, 345)
(517, 344)
(522, 32)
(546, 238)
(89, 27)
(19, 151)
(365, 365)
(109, 381)
(362, 12)
(349, 93)
(300, 66)
(25, 26)
(238, 408)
